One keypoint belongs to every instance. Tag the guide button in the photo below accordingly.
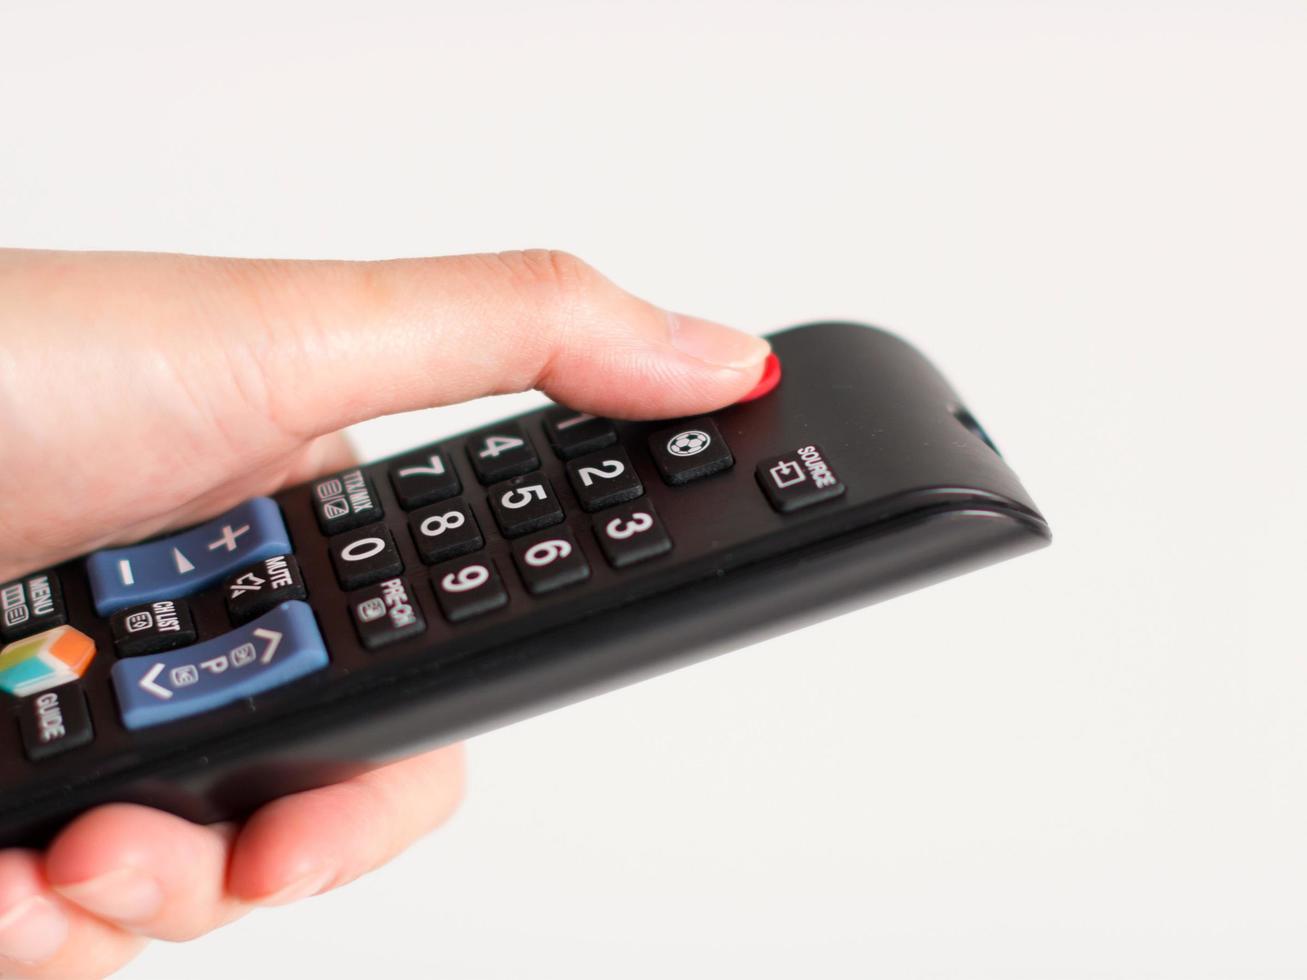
(54, 721)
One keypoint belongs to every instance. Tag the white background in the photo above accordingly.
(1091, 762)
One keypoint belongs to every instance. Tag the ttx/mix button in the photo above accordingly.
(345, 501)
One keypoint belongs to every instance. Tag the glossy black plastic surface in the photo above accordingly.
(926, 498)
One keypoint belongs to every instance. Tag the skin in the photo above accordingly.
(144, 392)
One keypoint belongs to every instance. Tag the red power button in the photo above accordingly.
(771, 377)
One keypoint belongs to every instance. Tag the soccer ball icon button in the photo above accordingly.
(691, 442)
(690, 451)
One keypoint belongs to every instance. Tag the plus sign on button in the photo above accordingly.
(185, 563)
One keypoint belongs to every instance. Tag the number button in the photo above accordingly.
(550, 560)
(501, 452)
(631, 533)
(573, 434)
(423, 478)
(524, 505)
(603, 479)
(444, 530)
(365, 556)
(468, 587)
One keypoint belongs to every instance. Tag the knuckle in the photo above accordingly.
(558, 281)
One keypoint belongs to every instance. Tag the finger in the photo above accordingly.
(364, 339)
(145, 871)
(325, 454)
(42, 936)
(308, 843)
(316, 346)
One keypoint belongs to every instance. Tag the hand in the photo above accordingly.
(143, 392)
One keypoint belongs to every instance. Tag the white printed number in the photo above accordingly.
(465, 579)
(520, 497)
(440, 523)
(494, 445)
(620, 530)
(362, 549)
(609, 469)
(437, 468)
(547, 552)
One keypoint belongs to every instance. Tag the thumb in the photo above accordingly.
(350, 341)
(210, 379)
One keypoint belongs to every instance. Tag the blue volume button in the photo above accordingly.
(279, 647)
(185, 563)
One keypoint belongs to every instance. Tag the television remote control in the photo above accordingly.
(299, 639)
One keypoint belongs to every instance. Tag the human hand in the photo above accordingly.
(143, 392)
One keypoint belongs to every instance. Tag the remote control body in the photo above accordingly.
(301, 639)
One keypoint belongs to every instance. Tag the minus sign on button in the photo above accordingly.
(125, 571)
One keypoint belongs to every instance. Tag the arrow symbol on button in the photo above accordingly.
(183, 563)
(274, 639)
(148, 684)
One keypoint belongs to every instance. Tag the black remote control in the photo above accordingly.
(297, 640)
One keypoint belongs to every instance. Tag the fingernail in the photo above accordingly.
(125, 895)
(302, 887)
(716, 344)
(33, 930)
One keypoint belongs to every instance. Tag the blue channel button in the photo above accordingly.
(185, 563)
(279, 647)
